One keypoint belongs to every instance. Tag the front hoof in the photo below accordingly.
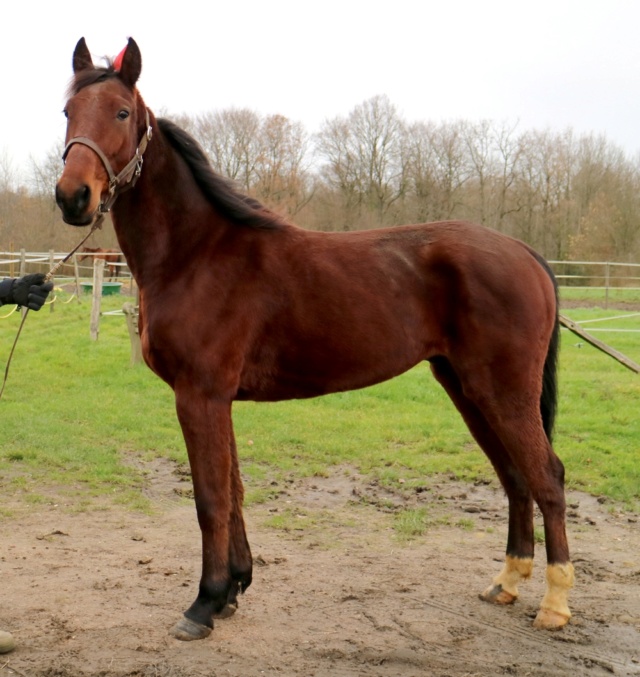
(228, 611)
(550, 620)
(188, 630)
(496, 594)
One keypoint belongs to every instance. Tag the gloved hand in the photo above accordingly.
(30, 291)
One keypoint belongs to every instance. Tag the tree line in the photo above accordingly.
(570, 196)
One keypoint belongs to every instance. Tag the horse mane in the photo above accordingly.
(219, 190)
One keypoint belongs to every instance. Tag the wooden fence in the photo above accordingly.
(606, 278)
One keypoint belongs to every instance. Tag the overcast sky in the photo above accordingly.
(556, 64)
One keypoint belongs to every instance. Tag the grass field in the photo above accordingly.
(600, 296)
(74, 410)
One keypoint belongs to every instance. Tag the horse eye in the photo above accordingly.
(66, 113)
(123, 115)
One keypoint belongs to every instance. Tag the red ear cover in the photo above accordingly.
(117, 63)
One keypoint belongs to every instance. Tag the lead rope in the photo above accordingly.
(48, 277)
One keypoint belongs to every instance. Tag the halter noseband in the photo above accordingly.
(127, 178)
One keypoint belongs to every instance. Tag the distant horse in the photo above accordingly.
(111, 257)
(236, 303)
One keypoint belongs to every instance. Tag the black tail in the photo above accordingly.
(549, 397)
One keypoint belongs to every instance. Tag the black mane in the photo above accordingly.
(220, 191)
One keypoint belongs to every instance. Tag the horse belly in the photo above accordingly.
(330, 361)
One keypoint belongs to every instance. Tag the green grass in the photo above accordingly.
(598, 430)
(74, 410)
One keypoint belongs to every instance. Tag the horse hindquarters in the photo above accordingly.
(226, 558)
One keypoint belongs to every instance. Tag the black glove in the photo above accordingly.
(30, 291)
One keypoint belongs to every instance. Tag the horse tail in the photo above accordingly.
(549, 396)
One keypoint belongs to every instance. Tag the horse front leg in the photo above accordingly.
(206, 426)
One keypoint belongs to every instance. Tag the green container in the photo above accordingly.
(108, 288)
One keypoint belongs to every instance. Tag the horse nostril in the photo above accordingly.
(82, 197)
(59, 197)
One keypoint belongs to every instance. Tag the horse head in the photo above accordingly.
(107, 131)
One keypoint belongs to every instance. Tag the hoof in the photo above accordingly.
(550, 620)
(228, 611)
(188, 630)
(495, 594)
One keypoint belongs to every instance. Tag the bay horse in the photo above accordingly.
(237, 303)
(111, 257)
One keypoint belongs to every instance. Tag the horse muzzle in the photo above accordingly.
(77, 204)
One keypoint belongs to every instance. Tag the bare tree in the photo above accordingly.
(440, 156)
(365, 157)
(44, 176)
(509, 149)
(478, 139)
(231, 140)
(8, 172)
(282, 178)
(379, 138)
(340, 169)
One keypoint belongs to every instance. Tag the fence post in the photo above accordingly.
(606, 284)
(131, 314)
(77, 276)
(98, 275)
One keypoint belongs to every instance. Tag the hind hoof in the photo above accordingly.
(187, 630)
(495, 594)
(550, 620)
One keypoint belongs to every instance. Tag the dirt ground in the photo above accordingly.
(94, 593)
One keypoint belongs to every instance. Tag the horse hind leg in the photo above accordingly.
(544, 474)
(554, 610)
(518, 564)
(515, 418)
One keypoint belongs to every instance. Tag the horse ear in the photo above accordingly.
(82, 57)
(130, 65)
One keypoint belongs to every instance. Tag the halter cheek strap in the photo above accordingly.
(129, 174)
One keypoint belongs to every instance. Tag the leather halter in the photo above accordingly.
(128, 176)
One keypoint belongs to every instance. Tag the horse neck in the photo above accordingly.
(165, 218)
